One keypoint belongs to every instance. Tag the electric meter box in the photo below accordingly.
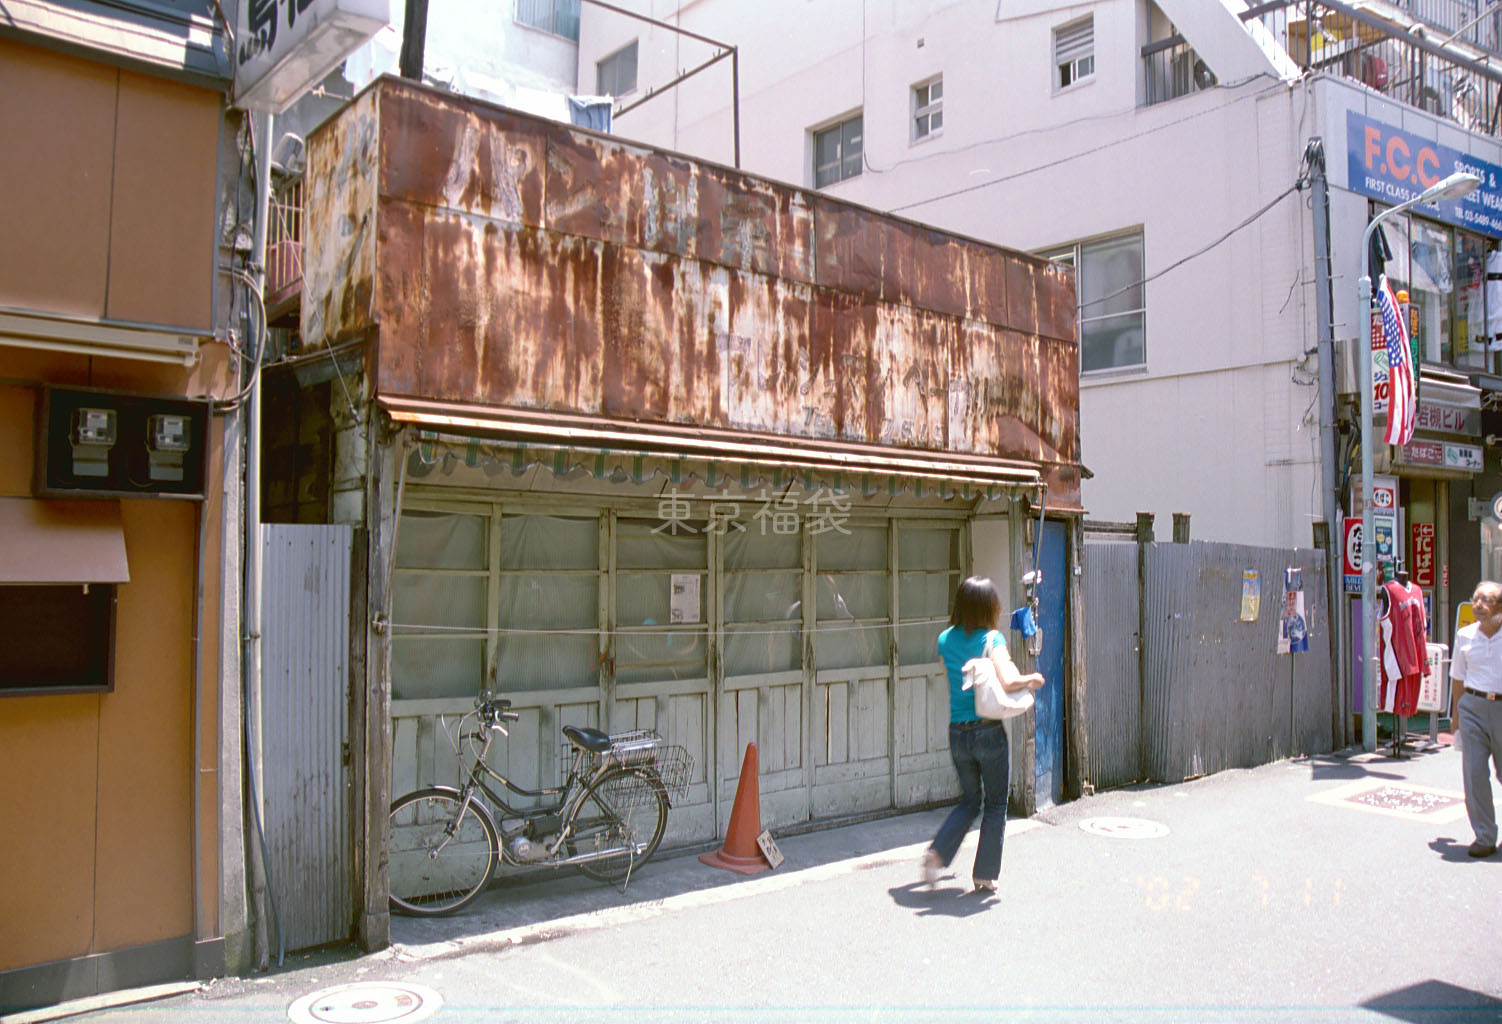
(113, 444)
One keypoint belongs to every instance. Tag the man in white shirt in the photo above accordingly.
(1476, 699)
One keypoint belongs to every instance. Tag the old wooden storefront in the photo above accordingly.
(648, 442)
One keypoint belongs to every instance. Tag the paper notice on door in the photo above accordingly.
(684, 600)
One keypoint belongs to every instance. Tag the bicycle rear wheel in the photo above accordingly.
(439, 861)
(625, 811)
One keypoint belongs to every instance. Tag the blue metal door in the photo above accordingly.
(1054, 620)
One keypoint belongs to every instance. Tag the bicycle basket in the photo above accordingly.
(642, 748)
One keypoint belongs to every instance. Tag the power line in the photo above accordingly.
(1201, 251)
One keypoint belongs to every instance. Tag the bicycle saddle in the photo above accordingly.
(585, 738)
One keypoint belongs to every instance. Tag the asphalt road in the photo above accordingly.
(1328, 889)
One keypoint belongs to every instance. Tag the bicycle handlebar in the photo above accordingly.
(493, 709)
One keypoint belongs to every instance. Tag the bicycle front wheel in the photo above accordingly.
(440, 861)
(621, 817)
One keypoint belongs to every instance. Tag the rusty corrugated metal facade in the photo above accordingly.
(507, 261)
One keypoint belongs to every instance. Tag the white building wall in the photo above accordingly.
(1222, 423)
(478, 48)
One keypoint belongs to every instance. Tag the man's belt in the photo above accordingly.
(1483, 694)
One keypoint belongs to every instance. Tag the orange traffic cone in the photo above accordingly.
(741, 852)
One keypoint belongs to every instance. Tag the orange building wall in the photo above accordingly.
(108, 211)
(97, 789)
(113, 216)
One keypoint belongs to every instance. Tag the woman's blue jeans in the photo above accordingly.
(983, 763)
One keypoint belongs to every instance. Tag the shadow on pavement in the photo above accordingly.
(1451, 850)
(942, 900)
(1339, 768)
(1437, 1000)
(542, 896)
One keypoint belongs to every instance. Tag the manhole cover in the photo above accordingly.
(1125, 828)
(366, 1002)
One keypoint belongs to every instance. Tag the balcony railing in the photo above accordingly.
(1475, 22)
(284, 250)
(1421, 66)
(1173, 69)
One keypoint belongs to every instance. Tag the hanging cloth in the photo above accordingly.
(1493, 299)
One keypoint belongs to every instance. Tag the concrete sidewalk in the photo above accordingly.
(1335, 888)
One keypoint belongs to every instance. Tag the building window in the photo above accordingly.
(928, 108)
(837, 152)
(616, 74)
(560, 17)
(928, 556)
(1112, 301)
(1444, 272)
(1074, 51)
(57, 639)
(489, 599)
(853, 608)
(440, 606)
(763, 588)
(661, 601)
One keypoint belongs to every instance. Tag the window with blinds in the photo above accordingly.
(1074, 51)
(560, 17)
(616, 74)
(837, 152)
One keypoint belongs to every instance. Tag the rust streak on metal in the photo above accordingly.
(513, 263)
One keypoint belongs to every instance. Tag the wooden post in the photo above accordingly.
(385, 455)
(1077, 774)
(1181, 527)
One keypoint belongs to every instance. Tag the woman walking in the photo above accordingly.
(977, 745)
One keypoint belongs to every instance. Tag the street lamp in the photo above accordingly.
(1453, 187)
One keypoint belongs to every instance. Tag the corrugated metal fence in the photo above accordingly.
(304, 724)
(1178, 685)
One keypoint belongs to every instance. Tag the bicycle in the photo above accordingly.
(607, 818)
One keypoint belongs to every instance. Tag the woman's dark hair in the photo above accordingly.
(977, 605)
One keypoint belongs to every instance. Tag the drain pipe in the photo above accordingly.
(255, 751)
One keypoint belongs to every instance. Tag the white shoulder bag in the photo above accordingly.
(992, 700)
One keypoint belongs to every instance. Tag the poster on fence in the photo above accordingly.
(1251, 595)
(1293, 628)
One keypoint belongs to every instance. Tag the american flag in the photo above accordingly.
(1402, 380)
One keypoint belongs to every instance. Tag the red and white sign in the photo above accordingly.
(1384, 496)
(1351, 556)
(1423, 453)
(1421, 547)
(1352, 547)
